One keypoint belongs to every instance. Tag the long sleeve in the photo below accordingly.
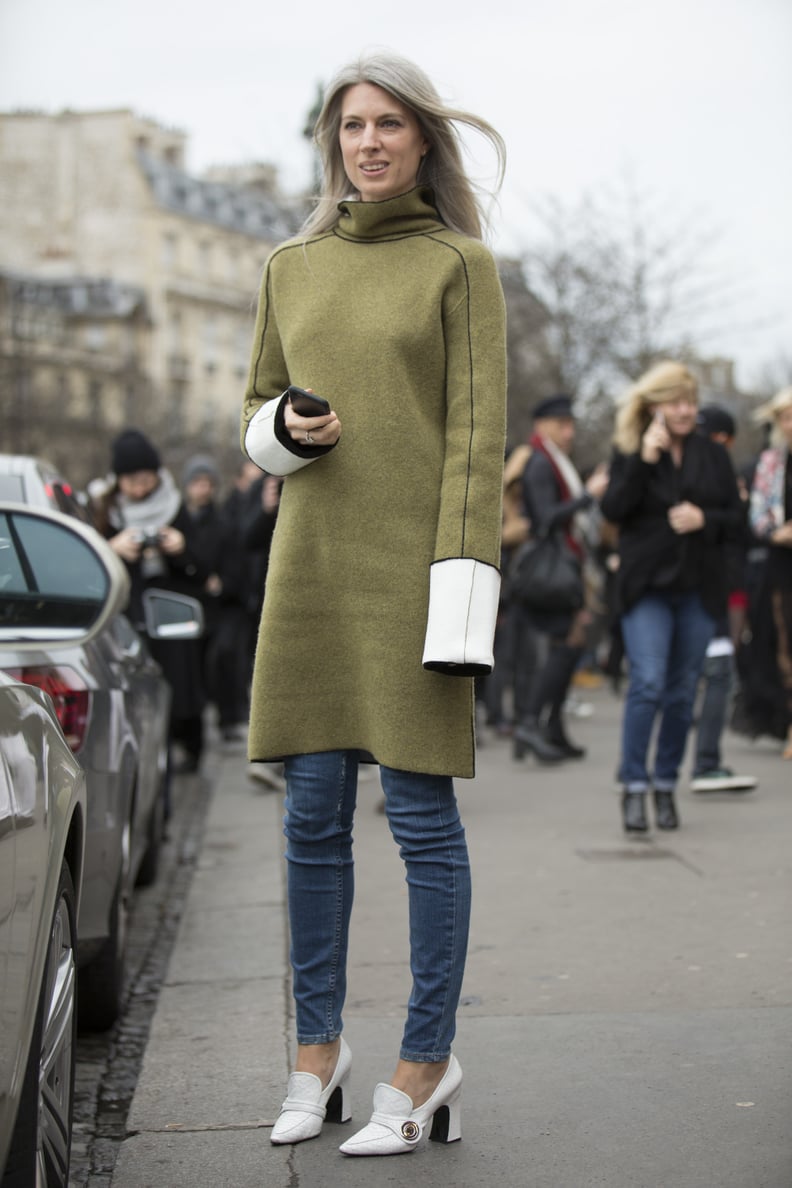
(265, 438)
(629, 477)
(464, 576)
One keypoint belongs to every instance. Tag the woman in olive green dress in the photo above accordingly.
(383, 582)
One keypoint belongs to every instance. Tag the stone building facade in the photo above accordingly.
(73, 368)
(103, 199)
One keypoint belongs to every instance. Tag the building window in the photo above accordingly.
(62, 392)
(232, 268)
(208, 429)
(175, 332)
(95, 401)
(210, 339)
(205, 258)
(243, 340)
(170, 251)
(95, 337)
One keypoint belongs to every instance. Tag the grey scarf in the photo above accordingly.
(149, 514)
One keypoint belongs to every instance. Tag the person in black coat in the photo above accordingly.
(710, 774)
(549, 642)
(674, 496)
(215, 540)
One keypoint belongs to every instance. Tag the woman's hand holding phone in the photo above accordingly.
(656, 439)
(309, 418)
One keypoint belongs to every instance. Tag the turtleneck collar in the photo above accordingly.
(413, 213)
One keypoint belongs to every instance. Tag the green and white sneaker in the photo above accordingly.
(723, 779)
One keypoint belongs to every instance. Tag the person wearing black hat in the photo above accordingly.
(140, 512)
(550, 641)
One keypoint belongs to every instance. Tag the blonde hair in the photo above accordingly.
(455, 194)
(662, 382)
(769, 413)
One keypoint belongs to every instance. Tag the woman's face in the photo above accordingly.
(679, 414)
(381, 142)
(138, 485)
(784, 422)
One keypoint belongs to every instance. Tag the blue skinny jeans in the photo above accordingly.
(321, 791)
(666, 638)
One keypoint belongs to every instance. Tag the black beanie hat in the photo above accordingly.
(712, 418)
(559, 405)
(132, 451)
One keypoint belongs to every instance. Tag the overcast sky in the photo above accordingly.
(690, 98)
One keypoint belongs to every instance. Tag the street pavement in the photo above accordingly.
(627, 1005)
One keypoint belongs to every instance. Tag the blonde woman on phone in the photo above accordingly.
(674, 497)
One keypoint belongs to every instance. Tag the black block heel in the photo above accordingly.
(335, 1106)
(439, 1131)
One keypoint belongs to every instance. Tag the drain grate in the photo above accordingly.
(639, 853)
(625, 852)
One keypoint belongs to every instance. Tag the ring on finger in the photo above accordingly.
(308, 438)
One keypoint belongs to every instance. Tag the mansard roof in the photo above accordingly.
(77, 297)
(243, 208)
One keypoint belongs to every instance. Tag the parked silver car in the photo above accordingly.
(43, 810)
(60, 587)
(113, 704)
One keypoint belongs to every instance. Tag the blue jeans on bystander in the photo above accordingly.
(321, 791)
(665, 637)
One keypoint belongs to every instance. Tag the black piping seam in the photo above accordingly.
(451, 247)
(287, 247)
(478, 561)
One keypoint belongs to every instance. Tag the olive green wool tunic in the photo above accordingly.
(400, 324)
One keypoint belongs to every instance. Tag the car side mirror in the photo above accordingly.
(172, 616)
(60, 582)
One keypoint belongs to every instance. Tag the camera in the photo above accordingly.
(152, 562)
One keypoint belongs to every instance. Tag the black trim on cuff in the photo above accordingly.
(288, 442)
(448, 668)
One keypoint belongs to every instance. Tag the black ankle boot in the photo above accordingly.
(528, 736)
(634, 812)
(665, 811)
(557, 736)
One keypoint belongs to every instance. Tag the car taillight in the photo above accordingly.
(70, 695)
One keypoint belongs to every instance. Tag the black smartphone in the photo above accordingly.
(307, 404)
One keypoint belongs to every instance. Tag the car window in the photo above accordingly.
(12, 489)
(47, 576)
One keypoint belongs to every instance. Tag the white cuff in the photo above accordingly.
(265, 449)
(463, 608)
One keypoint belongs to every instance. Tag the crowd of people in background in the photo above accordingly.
(196, 539)
(685, 574)
(686, 590)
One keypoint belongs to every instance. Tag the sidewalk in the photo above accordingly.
(627, 1005)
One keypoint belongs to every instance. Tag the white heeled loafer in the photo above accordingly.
(307, 1104)
(396, 1127)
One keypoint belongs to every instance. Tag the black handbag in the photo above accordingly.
(546, 575)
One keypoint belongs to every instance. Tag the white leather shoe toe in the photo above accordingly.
(307, 1104)
(396, 1127)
